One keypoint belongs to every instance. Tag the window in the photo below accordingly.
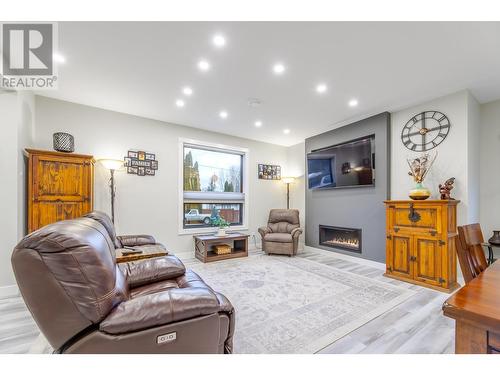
(213, 185)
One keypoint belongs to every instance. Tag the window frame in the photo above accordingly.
(244, 152)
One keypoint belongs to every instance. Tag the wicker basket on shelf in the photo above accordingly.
(222, 249)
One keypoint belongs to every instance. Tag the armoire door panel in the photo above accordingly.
(428, 262)
(56, 180)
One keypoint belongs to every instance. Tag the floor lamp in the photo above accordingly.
(112, 165)
(288, 181)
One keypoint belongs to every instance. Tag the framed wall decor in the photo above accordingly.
(269, 172)
(132, 170)
(141, 163)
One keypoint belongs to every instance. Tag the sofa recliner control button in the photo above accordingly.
(168, 337)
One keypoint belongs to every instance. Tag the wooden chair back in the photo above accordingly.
(470, 251)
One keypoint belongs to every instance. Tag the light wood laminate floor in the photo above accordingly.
(415, 326)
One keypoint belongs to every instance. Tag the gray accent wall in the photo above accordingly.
(356, 207)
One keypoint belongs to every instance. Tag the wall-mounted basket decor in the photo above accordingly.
(141, 163)
(269, 172)
(63, 142)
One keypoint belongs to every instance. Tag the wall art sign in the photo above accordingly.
(141, 163)
(269, 172)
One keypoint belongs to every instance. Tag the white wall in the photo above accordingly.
(473, 158)
(150, 204)
(8, 166)
(25, 136)
(490, 168)
(454, 153)
(16, 114)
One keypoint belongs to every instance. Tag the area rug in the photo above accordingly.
(291, 305)
(295, 305)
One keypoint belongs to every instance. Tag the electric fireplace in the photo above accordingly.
(340, 238)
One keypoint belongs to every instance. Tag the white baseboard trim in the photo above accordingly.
(365, 262)
(9, 291)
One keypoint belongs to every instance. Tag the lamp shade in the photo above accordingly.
(112, 164)
(288, 180)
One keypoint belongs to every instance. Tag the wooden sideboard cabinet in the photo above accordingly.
(60, 187)
(420, 244)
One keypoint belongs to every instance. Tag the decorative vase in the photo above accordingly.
(221, 232)
(495, 239)
(420, 192)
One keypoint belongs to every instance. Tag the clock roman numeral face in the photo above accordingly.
(425, 131)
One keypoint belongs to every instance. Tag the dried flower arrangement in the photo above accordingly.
(419, 167)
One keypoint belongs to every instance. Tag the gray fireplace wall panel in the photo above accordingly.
(357, 207)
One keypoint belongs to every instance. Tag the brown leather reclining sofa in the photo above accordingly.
(84, 302)
(136, 242)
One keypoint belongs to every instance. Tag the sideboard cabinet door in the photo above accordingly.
(399, 255)
(428, 261)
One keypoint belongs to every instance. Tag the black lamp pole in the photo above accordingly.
(287, 195)
(112, 186)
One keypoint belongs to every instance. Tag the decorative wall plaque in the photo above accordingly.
(269, 172)
(141, 163)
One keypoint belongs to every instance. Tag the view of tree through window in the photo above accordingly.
(206, 170)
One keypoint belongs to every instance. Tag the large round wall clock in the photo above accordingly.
(425, 131)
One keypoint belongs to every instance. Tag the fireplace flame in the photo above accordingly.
(353, 243)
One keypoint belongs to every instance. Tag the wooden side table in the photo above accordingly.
(204, 246)
(147, 253)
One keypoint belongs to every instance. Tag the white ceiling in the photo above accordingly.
(141, 68)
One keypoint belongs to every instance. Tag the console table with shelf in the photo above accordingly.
(204, 246)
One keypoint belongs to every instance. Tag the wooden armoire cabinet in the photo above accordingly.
(60, 187)
(420, 244)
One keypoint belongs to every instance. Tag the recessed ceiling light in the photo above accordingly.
(321, 88)
(286, 131)
(219, 41)
(353, 103)
(278, 68)
(223, 114)
(203, 65)
(59, 58)
(179, 103)
(258, 123)
(188, 91)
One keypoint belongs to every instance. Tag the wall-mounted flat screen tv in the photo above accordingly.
(348, 164)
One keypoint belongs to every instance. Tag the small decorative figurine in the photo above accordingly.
(445, 189)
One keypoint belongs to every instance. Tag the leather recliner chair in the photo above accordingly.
(84, 302)
(281, 235)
